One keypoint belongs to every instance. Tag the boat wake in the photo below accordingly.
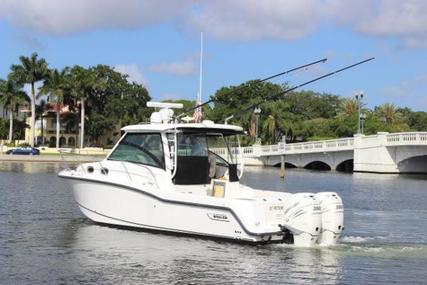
(374, 247)
(379, 247)
(361, 239)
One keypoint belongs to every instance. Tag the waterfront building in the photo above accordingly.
(69, 134)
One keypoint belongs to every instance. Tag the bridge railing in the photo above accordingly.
(409, 138)
(306, 147)
(320, 146)
(344, 144)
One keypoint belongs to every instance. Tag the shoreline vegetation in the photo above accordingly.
(101, 100)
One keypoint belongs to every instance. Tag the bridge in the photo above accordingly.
(380, 153)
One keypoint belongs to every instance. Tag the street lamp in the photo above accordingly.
(362, 121)
(359, 97)
(257, 111)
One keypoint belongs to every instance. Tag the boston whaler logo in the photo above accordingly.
(218, 217)
(276, 208)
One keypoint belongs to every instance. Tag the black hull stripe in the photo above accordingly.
(178, 202)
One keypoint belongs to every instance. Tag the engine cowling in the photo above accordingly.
(302, 219)
(332, 213)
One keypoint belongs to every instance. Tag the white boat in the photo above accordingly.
(184, 178)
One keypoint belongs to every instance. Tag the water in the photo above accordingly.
(45, 239)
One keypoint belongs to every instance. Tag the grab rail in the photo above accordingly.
(66, 165)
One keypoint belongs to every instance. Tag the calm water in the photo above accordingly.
(45, 239)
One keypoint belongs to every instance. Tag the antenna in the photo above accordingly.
(201, 68)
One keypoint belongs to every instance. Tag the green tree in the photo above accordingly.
(309, 105)
(234, 99)
(106, 95)
(11, 97)
(417, 121)
(54, 86)
(98, 125)
(41, 107)
(117, 100)
(319, 129)
(30, 70)
(387, 112)
(3, 129)
(349, 106)
(82, 85)
(270, 127)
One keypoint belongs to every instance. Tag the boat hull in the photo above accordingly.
(129, 207)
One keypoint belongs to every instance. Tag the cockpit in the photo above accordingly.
(203, 156)
(193, 156)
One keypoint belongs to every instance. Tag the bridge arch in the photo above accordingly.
(414, 164)
(318, 165)
(287, 165)
(345, 166)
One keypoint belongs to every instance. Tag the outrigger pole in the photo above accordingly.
(255, 82)
(276, 96)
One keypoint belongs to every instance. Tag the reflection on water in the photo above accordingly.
(167, 258)
(30, 167)
(45, 239)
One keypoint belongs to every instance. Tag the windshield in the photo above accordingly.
(203, 145)
(225, 148)
(144, 148)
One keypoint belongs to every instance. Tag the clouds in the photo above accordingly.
(181, 68)
(289, 20)
(254, 19)
(243, 20)
(409, 92)
(62, 17)
(405, 20)
(133, 71)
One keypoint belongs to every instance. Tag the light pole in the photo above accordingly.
(362, 121)
(257, 111)
(359, 97)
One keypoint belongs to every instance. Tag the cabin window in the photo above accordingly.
(144, 148)
(192, 145)
(192, 160)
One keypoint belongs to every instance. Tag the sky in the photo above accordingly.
(157, 43)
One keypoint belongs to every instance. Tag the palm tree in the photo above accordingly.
(30, 70)
(11, 97)
(349, 106)
(252, 126)
(388, 112)
(54, 85)
(40, 109)
(83, 83)
(270, 125)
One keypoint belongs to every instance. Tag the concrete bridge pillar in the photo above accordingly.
(372, 155)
